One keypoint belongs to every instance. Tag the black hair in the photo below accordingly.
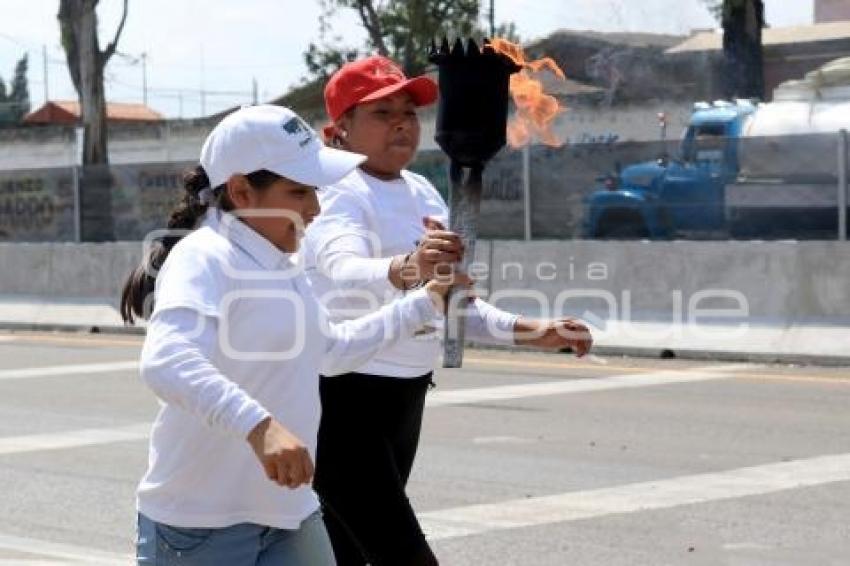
(137, 294)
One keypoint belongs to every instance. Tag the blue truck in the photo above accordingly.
(743, 170)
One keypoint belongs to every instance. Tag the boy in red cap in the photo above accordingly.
(379, 235)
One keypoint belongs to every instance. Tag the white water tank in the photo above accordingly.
(796, 135)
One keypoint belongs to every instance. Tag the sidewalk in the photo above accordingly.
(79, 315)
(811, 344)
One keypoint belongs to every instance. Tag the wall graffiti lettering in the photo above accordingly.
(26, 205)
(158, 194)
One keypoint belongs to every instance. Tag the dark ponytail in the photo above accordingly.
(137, 296)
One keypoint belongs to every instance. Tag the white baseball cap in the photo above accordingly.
(276, 139)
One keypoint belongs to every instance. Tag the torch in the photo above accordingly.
(471, 124)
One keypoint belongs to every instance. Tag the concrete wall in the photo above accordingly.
(780, 283)
(55, 146)
(774, 283)
(67, 271)
(181, 140)
(831, 11)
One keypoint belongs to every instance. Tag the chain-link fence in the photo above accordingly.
(709, 188)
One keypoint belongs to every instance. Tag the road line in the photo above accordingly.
(68, 369)
(58, 551)
(634, 498)
(584, 385)
(571, 506)
(73, 438)
(139, 431)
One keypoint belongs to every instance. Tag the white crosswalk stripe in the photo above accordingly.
(563, 387)
(64, 370)
(73, 438)
(637, 497)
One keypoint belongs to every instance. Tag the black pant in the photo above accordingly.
(367, 442)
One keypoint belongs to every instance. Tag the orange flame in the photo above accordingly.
(536, 110)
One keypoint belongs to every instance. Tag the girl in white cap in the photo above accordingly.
(235, 343)
(380, 235)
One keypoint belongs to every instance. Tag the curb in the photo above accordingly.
(705, 355)
(71, 328)
(616, 351)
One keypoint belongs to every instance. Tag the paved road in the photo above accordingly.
(525, 459)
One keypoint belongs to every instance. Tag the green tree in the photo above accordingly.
(5, 105)
(20, 94)
(743, 61)
(15, 103)
(399, 29)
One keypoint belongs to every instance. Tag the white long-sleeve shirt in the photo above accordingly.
(364, 222)
(236, 335)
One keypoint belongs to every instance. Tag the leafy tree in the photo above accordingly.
(399, 29)
(742, 22)
(20, 94)
(15, 103)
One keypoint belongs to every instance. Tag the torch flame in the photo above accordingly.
(536, 110)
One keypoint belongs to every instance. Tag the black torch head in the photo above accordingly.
(473, 111)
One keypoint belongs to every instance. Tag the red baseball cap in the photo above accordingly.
(371, 79)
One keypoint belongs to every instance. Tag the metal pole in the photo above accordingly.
(842, 186)
(79, 137)
(463, 216)
(526, 190)
(202, 89)
(44, 71)
(254, 95)
(145, 78)
(78, 236)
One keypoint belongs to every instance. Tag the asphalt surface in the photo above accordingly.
(526, 459)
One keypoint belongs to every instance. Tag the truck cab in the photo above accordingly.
(681, 196)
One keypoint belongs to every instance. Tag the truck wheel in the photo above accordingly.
(622, 225)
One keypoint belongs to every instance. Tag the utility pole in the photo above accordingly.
(203, 92)
(145, 78)
(492, 18)
(254, 91)
(44, 71)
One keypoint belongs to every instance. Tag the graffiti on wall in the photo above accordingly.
(37, 205)
(502, 178)
(144, 196)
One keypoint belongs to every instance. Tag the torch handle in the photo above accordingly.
(464, 207)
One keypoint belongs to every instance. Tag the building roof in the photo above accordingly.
(712, 40)
(68, 111)
(622, 39)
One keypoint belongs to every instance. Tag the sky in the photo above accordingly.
(223, 46)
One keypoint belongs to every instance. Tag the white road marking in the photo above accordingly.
(68, 554)
(583, 385)
(68, 369)
(140, 431)
(636, 497)
(571, 506)
(73, 438)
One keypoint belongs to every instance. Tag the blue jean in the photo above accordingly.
(245, 544)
